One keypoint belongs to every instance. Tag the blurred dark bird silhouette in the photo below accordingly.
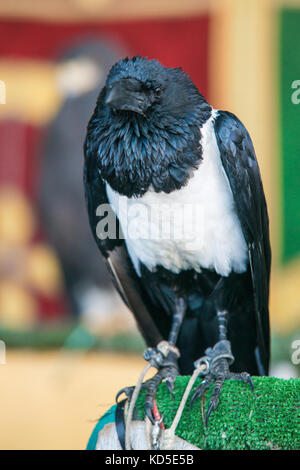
(80, 72)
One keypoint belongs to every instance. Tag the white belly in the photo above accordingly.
(191, 228)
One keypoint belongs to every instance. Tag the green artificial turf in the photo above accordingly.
(268, 418)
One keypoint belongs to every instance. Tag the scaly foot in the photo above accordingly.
(218, 359)
(164, 358)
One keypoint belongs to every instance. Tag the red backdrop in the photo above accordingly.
(175, 42)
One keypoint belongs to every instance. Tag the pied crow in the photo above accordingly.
(177, 208)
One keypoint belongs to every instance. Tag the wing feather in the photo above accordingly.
(241, 167)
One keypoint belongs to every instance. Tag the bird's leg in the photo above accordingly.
(218, 360)
(164, 358)
(180, 308)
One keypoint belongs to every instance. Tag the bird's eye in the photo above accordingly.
(158, 91)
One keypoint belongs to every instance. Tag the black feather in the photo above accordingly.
(240, 164)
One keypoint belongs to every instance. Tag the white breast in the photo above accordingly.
(191, 228)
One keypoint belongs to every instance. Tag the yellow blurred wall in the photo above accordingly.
(52, 400)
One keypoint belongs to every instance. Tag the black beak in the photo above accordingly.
(122, 96)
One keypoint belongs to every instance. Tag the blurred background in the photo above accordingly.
(70, 343)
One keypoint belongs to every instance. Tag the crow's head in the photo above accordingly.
(141, 86)
(145, 129)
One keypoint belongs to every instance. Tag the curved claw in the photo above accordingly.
(170, 386)
(250, 381)
(200, 390)
(148, 411)
(244, 377)
(127, 390)
(211, 407)
(215, 398)
(195, 395)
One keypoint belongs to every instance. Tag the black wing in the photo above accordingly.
(240, 164)
(115, 253)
